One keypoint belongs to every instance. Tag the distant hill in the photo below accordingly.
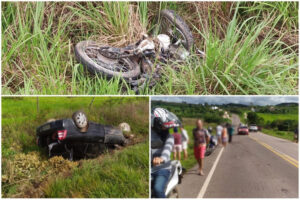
(235, 105)
(287, 104)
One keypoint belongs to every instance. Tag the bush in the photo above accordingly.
(284, 125)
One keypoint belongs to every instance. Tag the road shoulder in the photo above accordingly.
(192, 182)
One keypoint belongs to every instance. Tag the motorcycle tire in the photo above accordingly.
(179, 24)
(103, 65)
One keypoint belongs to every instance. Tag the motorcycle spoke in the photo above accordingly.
(122, 65)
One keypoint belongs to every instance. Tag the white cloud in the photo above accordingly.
(247, 100)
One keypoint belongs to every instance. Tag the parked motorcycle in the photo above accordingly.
(137, 63)
(171, 190)
(213, 142)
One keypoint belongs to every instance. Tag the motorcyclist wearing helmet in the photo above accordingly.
(161, 121)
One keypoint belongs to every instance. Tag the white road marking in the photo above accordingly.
(211, 172)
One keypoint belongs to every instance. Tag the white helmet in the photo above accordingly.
(161, 117)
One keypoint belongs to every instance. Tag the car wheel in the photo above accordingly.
(80, 119)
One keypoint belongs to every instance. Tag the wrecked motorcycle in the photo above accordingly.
(138, 64)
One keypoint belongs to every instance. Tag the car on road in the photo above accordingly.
(77, 137)
(253, 128)
(243, 130)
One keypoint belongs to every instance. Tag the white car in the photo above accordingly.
(253, 128)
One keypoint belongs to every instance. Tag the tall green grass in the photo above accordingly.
(240, 63)
(288, 135)
(38, 41)
(271, 117)
(287, 11)
(123, 175)
(143, 8)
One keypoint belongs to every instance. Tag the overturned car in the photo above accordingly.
(77, 138)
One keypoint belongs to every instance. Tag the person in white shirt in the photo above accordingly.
(219, 133)
(184, 141)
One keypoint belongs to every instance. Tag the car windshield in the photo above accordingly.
(243, 127)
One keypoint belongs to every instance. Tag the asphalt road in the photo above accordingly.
(255, 166)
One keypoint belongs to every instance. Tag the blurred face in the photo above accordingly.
(199, 124)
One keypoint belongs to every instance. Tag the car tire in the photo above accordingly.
(80, 120)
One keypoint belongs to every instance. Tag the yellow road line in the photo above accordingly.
(296, 161)
(282, 155)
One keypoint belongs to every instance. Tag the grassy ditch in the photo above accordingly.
(27, 172)
(288, 135)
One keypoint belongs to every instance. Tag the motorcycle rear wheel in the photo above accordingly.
(86, 53)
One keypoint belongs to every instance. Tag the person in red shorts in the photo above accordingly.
(201, 138)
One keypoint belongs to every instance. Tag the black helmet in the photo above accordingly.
(162, 118)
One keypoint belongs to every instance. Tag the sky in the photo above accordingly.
(246, 100)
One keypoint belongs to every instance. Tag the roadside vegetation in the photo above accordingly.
(251, 47)
(27, 171)
(280, 121)
(288, 135)
(194, 111)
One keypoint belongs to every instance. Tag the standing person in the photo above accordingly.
(177, 149)
(224, 136)
(184, 141)
(219, 132)
(230, 131)
(201, 135)
(296, 135)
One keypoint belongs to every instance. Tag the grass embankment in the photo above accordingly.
(272, 117)
(288, 135)
(251, 47)
(27, 172)
(122, 175)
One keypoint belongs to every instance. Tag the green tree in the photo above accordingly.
(253, 118)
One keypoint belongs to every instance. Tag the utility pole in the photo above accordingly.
(37, 105)
(91, 103)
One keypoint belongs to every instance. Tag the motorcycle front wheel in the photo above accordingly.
(175, 27)
(87, 53)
